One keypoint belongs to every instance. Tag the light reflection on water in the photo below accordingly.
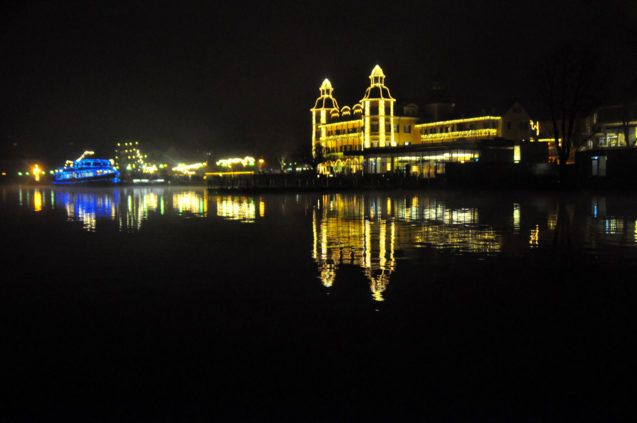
(376, 233)
(371, 231)
(239, 208)
(130, 207)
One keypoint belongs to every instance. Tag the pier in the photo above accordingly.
(468, 175)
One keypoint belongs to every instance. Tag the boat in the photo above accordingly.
(87, 170)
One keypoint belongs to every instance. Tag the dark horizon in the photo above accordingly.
(238, 80)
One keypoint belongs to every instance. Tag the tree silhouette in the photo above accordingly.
(319, 156)
(568, 85)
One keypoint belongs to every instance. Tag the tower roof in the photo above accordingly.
(326, 100)
(377, 88)
(326, 85)
(377, 71)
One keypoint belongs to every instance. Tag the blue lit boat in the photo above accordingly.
(87, 171)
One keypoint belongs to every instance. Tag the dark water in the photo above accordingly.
(167, 304)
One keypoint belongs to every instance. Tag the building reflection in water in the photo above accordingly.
(371, 232)
(368, 233)
(238, 208)
(610, 223)
(130, 207)
(191, 202)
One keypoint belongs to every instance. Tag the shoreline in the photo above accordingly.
(601, 188)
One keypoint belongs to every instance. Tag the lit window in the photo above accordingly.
(516, 154)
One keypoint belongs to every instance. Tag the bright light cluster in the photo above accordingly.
(130, 156)
(146, 168)
(246, 161)
(189, 169)
(37, 171)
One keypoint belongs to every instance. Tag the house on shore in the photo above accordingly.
(609, 154)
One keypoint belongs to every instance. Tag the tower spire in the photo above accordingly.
(377, 77)
(324, 109)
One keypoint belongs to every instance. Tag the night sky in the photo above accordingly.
(238, 77)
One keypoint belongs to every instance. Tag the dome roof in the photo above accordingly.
(377, 88)
(377, 92)
(326, 100)
(325, 103)
(346, 111)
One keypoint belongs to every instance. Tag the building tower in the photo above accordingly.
(439, 105)
(129, 158)
(325, 109)
(378, 107)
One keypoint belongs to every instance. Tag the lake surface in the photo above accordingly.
(158, 303)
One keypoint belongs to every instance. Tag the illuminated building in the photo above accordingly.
(604, 134)
(234, 166)
(189, 169)
(371, 137)
(606, 144)
(613, 126)
(129, 158)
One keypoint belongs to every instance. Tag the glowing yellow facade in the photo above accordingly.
(483, 127)
(338, 134)
(370, 137)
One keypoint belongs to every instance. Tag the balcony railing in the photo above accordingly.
(456, 135)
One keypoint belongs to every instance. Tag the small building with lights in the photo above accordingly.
(609, 154)
(373, 137)
(129, 160)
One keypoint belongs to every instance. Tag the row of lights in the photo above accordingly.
(35, 170)
(181, 167)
